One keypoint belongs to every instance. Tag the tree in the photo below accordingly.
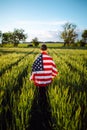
(7, 37)
(18, 36)
(69, 34)
(0, 35)
(35, 41)
(84, 37)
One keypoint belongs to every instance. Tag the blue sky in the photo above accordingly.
(42, 18)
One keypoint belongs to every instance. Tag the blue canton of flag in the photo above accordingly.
(38, 64)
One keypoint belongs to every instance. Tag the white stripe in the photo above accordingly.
(48, 61)
(48, 66)
(43, 77)
(54, 69)
(42, 72)
(46, 56)
(43, 82)
(54, 74)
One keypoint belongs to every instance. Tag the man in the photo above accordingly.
(43, 72)
(43, 69)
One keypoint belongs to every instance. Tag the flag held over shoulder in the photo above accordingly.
(43, 70)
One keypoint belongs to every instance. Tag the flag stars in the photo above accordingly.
(38, 64)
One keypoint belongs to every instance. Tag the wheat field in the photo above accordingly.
(67, 95)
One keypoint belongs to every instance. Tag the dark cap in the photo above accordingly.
(43, 47)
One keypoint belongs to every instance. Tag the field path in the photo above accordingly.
(41, 118)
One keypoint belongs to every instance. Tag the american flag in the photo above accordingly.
(43, 70)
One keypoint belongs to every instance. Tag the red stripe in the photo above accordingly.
(53, 74)
(48, 69)
(41, 85)
(48, 79)
(54, 71)
(47, 58)
(47, 63)
(47, 74)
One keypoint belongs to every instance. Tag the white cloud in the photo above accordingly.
(41, 22)
(45, 35)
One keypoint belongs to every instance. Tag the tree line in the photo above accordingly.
(69, 36)
(14, 37)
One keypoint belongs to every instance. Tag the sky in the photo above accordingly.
(43, 19)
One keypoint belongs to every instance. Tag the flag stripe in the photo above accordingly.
(43, 82)
(45, 55)
(48, 74)
(48, 61)
(47, 69)
(48, 66)
(43, 72)
(54, 69)
(43, 77)
(47, 58)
